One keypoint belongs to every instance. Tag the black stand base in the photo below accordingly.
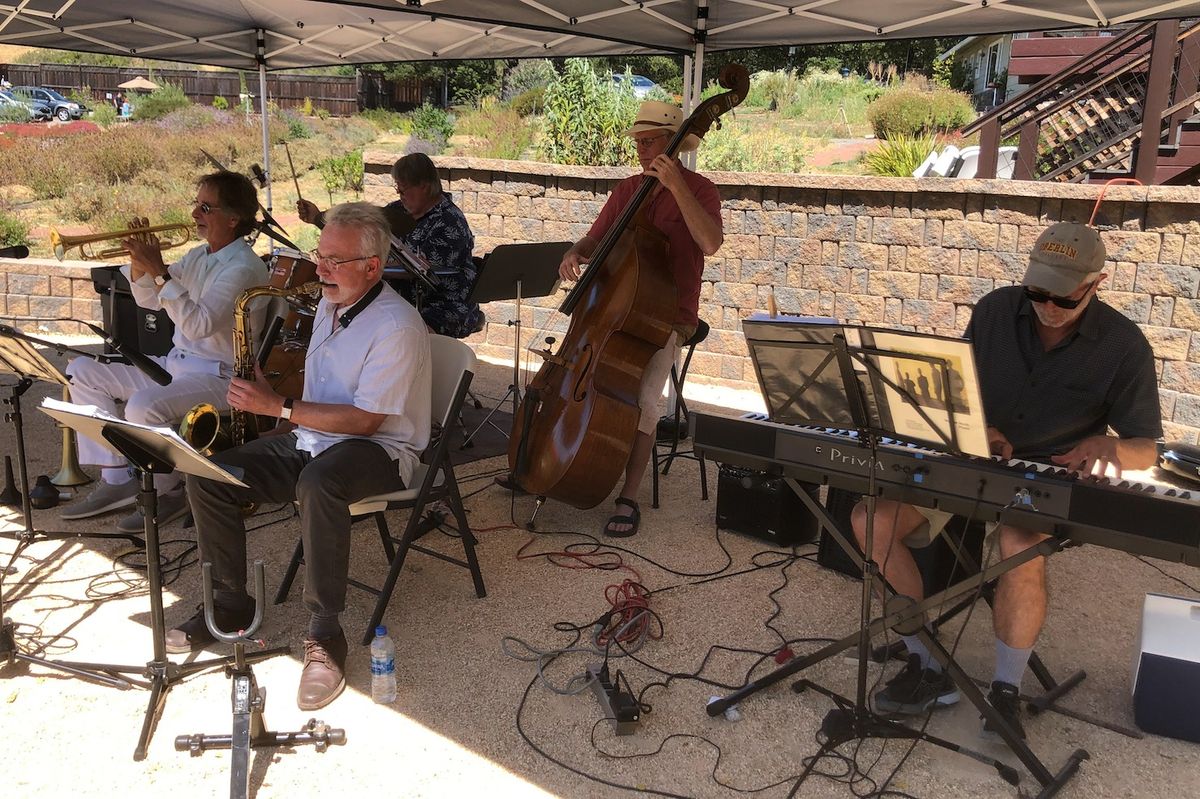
(250, 729)
(847, 722)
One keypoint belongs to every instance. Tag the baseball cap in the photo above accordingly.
(1063, 257)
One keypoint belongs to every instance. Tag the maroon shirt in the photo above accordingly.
(687, 261)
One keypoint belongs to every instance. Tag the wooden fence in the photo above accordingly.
(339, 95)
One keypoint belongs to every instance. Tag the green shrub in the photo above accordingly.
(528, 75)
(899, 155)
(951, 110)
(297, 127)
(220, 103)
(344, 173)
(828, 103)
(502, 130)
(586, 117)
(14, 113)
(159, 103)
(900, 112)
(323, 113)
(772, 90)
(104, 115)
(385, 120)
(909, 111)
(13, 231)
(736, 148)
(529, 103)
(432, 124)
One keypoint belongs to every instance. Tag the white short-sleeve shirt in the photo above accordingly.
(380, 363)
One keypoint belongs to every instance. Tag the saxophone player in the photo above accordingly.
(197, 292)
(359, 431)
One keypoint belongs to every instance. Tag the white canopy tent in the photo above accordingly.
(284, 34)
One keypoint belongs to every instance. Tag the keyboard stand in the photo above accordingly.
(906, 616)
(1052, 689)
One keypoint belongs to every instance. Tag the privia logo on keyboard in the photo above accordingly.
(837, 455)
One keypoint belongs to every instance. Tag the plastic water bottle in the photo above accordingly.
(383, 667)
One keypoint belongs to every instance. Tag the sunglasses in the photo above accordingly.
(205, 208)
(1065, 303)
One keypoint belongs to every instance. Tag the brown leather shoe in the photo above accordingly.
(324, 675)
(193, 634)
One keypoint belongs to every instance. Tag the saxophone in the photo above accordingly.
(202, 426)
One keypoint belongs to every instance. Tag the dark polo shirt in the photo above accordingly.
(1045, 403)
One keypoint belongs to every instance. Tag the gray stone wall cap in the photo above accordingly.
(853, 183)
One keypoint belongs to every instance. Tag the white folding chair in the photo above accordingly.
(433, 480)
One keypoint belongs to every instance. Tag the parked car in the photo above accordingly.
(641, 85)
(38, 111)
(61, 107)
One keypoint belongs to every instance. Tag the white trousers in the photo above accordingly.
(146, 402)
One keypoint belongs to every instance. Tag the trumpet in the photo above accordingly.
(177, 235)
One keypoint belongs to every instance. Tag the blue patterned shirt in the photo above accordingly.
(443, 238)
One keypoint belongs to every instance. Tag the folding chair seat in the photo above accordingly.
(433, 480)
(672, 428)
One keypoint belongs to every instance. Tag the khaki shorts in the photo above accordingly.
(935, 524)
(653, 379)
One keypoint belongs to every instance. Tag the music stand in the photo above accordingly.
(18, 356)
(850, 377)
(516, 271)
(151, 451)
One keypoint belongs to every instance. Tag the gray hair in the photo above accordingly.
(374, 232)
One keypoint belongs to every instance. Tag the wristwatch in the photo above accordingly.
(286, 413)
(161, 280)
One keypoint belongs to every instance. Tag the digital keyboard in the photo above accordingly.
(1141, 518)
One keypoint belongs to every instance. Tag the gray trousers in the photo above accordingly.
(324, 486)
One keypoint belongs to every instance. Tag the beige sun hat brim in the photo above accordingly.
(654, 115)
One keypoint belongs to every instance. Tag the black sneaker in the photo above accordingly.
(1006, 700)
(915, 690)
(194, 634)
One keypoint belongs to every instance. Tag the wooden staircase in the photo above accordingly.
(1087, 122)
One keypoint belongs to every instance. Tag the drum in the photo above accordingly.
(290, 269)
(285, 364)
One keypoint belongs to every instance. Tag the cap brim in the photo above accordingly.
(1053, 279)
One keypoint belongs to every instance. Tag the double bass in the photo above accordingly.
(578, 420)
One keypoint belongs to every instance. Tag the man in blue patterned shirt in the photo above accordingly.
(441, 235)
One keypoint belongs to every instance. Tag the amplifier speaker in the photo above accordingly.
(937, 563)
(764, 506)
(1167, 669)
(145, 331)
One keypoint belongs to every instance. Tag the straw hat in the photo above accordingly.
(654, 115)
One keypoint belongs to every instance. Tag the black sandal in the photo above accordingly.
(632, 519)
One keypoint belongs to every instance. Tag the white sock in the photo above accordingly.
(116, 475)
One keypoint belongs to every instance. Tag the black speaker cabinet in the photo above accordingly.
(764, 506)
(938, 566)
(1167, 670)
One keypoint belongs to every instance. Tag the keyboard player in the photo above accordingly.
(1058, 370)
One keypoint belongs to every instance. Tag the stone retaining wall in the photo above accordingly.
(906, 253)
(914, 254)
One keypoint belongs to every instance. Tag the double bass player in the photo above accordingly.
(686, 208)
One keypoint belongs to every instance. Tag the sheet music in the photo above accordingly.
(400, 254)
(163, 441)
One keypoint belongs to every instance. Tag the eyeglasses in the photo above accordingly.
(1066, 303)
(646, 141)
(205, 208)
(332, 265)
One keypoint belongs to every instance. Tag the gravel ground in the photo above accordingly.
(457, 727)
